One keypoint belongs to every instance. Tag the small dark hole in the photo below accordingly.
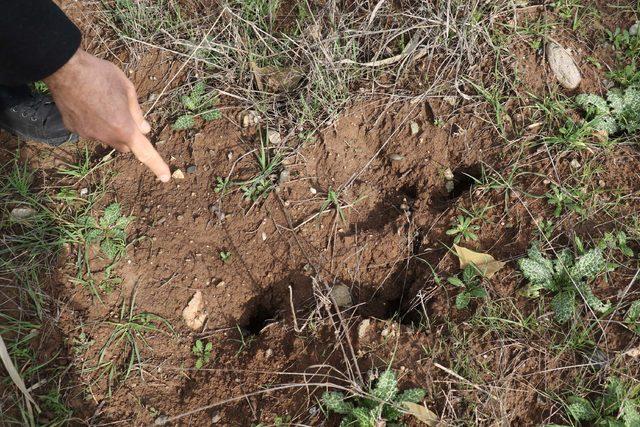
(464, 179)
(260, 318)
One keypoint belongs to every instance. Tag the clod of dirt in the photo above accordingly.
(342, 296)
(177, 174)
(194, 314)
(563, 66)
(448, 174)
(22, 213)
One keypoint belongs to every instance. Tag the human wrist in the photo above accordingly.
(66, 73)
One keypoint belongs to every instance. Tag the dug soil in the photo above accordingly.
(276, 328)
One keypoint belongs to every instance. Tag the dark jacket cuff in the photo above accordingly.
(36, 39)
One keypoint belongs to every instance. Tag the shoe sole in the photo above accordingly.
(54, 142)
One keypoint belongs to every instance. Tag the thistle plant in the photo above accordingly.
(618, 407)
(197, 104)
(382, 403)
(109, 231)
(566, 277)
(619, 112)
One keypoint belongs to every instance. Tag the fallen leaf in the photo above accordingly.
(487, 264)
(421, 413)
(194, 314)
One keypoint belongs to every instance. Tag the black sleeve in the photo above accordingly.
(36, 39)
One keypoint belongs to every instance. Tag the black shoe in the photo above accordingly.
(32, 116)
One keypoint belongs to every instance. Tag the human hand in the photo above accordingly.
(97, 101)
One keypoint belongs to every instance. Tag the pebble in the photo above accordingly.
(415, 128)
(179, 217)
(22, 213)
(563, 66)
(633, 30)
(363, 327)
(191, 169)
(264, 236)
(285, 175)
(215, 418)
(177, 174)
(274, 137)
(342, 295)
(396, 157)
(448, 174)
(575, 164)
(84, 191)
(313, 190)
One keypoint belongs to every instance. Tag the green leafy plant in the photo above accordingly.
(471, 283)
(616, 241)
(197, 104)
(202, 352)
(225, 256)
(463, 228)
(566, 277)
(625, 42)
(619, 112)
(618, 407)
(626, 76)
(567, 199)
(632, 318)
(109, 232)
(382, 403)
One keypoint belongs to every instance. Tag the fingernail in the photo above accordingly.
(165, 178)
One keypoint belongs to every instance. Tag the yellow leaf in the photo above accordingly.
(487, 264)
(421, 413)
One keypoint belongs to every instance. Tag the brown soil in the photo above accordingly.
(285, 248)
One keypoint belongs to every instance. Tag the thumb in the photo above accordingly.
(145, 153)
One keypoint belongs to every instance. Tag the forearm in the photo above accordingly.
(36, 39)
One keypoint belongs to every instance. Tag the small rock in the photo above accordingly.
(285, 175)
(194, 313)
(415, 128)
(22, 213)
(177, 174)
(342, 296)
(180, 217)
(449, 186)
(161, 420)
(191, 169)
(268, 353)
(84, 191)
(245, 121)
(575, 164)
(274, 137)
(451, 100)
(264, 236)
(448, 174)
(313, 190)
(633, 30)
(563, 66)
(363, 327)
(396, 157)
(215, 418)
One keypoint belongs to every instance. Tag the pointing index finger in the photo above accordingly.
(147, 154)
